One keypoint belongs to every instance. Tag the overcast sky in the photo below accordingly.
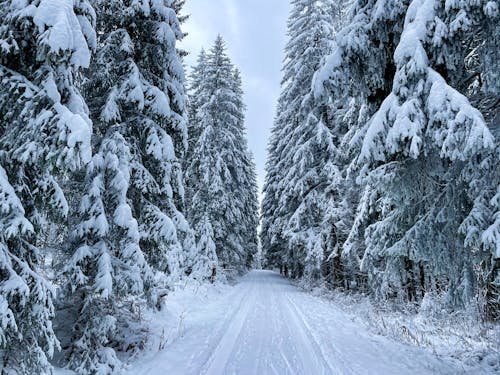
(255, 35)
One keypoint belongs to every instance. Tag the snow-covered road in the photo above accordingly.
(265, 325)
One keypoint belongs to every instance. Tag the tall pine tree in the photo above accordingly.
(131, 237)
(295, 228)
(220, 174)
(44, 137)
(421, 145)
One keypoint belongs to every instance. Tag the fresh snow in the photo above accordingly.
(266, 325)
(119, 183)
(65, 33)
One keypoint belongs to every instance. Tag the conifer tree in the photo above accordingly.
(298, 169)
(422, 149)
(353, 80)
(131, 237)
(246, 187)
(220, 174)
(271, 238)
(44, 137)
(196, 98)
(206, 257)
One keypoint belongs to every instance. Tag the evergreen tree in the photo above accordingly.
(206, 256)
(353, 80)
(26, 298)
(271, 238)
(131, 237)
(44, 137)
(246, 187)
(220, 174)
(423, 148)
(196, 98)
(481, 230)
(299, 169)
(422, 142)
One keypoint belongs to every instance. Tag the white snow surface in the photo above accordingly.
(64, 31)
(265, 325)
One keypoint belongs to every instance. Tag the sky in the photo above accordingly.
(255, 35)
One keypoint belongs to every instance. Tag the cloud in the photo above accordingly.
(232, 14)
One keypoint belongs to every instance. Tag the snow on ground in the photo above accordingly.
(461, 334)
(265, 325)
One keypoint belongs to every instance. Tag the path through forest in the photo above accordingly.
(266, 325)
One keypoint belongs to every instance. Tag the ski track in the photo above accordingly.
(266, 326)
(221, 355)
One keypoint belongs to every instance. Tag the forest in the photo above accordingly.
(383, 166)
(124, 175)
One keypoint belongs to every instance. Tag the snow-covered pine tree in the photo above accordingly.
(246, 188)
(196, 99)
(250, 193)
(356, 77)
(131, 235)
(481, 230)
(271, 239)
(206, 261)
(352, 81)
(219, 172)
(44, 136)
(26, 298)
(479, 81)
(299, 170)
(419, 148)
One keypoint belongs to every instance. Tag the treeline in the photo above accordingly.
(98, 216)
(383, 172)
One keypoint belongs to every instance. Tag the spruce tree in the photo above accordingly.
(352, 81)
(206, 257)
(44, 137)
(271, 239)
(220, 174)
(246, 186)
(301, 149)
(196, 98)
(421, 144)
(131, 236)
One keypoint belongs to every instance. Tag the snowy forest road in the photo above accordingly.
(267, 326)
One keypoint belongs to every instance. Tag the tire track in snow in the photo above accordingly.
(259, 309)
(318, 348)
(219, 330)
(217, 362)
(311, 353)
(266, 326)
(278, 330)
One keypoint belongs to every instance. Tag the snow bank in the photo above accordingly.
(457, 335)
